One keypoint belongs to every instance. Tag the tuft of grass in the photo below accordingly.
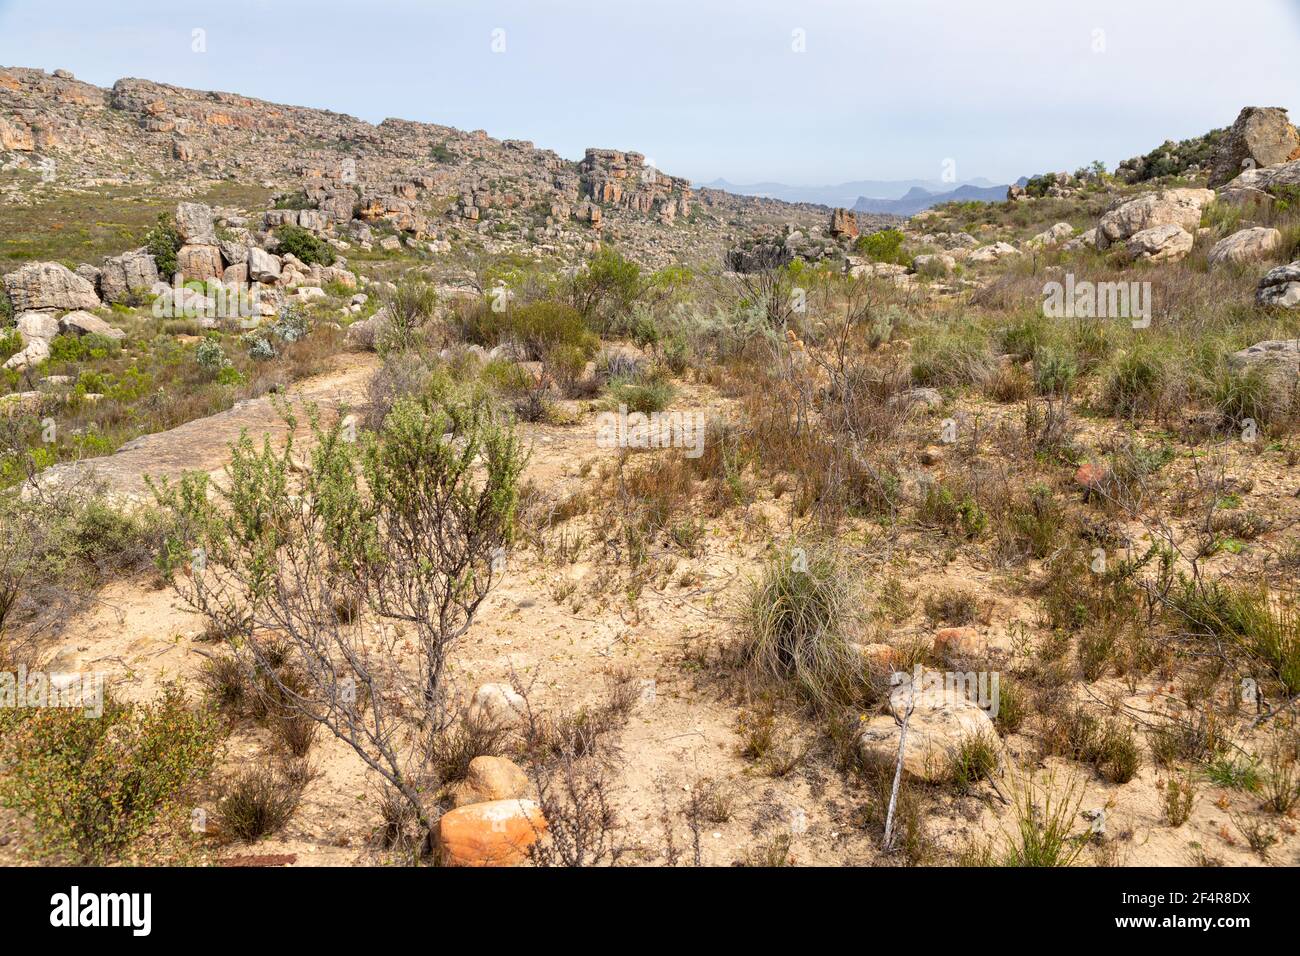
(1044, 835)
(796, 618)
(975, 760)
(1180, 796)
(257, 802)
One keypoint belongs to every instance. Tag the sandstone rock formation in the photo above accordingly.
(1180, 207)
(1246, 245)
(1261, 136)
(49, 285)
(1167, 243)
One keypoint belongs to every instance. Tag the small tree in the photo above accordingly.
(607, 287)
(408, 525)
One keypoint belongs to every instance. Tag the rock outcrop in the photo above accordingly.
(49, 285)
(1261, 136)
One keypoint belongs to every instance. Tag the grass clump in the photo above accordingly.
(796, 618)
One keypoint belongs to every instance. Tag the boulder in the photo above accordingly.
(496, 705)
(1261, 136)
(1275, 354)
(959, 642)
(262, 266)
(1050, 238)
(993, 252)
(942, 720)
(49, 285)
(127, 276)
(1247, 245)
(1167, 243)
(1085, 240)
(495, 833)
(490, 778)
(934, 265)
(194, 223)
(199, 262)
(83, 323)
(1280, 287)
(1180, 207)
(35, 352)
(91, 275)
(37, 325)
(236, 274)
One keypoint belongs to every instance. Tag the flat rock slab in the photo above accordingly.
(204, 444)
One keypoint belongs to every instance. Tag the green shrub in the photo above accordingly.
(886, 245)
(95, 787)
(1135, 384)
(1054, 372)
(952, 361)
(307, 246)
(11, 343)
(607, 288)
(647, 395)
(540, 327)
(162, 242)
(70, 347)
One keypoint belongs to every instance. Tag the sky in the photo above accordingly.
(806, 93)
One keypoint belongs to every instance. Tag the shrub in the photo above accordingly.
(162, 242)
(652, 395)
(952, 361)
(1135, 384)
(210, 356)
(259, 801)
(306, 245)
(607, 288)
(885, 245)
(408, 522)
(93, 787)
(540, 328)
(974, 760)
(408, 307)
(1054, 372)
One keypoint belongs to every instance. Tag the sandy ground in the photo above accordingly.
(684, 727)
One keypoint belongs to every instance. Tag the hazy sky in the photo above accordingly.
(816, 92)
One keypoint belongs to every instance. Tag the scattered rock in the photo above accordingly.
(1178, 207)
(83, 323)
(993, 252)
(1261, 136)
(201, 262)
(1245, 246)
(942, 720)
(1279, 353)
(844, 224)
(1280, 287)
(495, 833)
(490, 778)
(194, 223)
(959, 642)
(1167, 243)
(496, 705)
(127, 276)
